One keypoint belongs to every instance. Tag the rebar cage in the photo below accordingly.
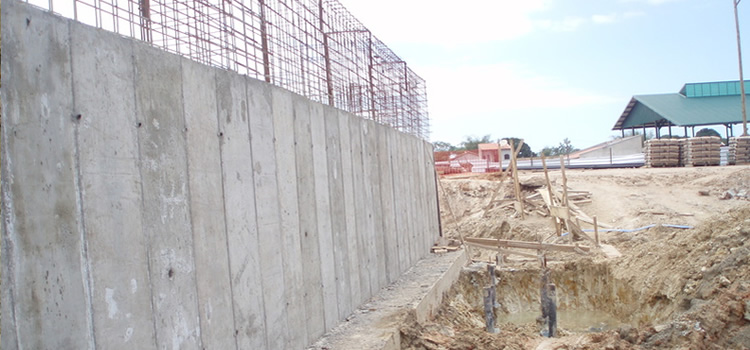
(315, 48)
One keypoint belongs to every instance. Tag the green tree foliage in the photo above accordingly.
(565, 147)
(441, 146)
(707, 132)
(525, 151)
(472, 143)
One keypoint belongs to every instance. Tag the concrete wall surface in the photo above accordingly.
(150, 202)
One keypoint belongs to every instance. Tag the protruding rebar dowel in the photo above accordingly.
(489, 300)
(549, 304)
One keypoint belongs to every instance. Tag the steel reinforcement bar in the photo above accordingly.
(315, 48)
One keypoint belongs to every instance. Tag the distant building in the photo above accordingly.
(489, 152)
(697, 104)
(504, 150)
(620, 147)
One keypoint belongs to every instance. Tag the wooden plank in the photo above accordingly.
(516, 184)
(535, 195)
(546, 197)
(515, 252)
(549, 198)
(596, 232)
(490, 243)
(560, 212)
(564, 181)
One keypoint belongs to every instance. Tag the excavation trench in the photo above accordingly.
(589, 299)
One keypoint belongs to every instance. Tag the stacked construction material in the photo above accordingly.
(683, 150)
(663, 153)
(739, 150)
(702, 151)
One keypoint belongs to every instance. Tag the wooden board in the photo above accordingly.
(490, 243)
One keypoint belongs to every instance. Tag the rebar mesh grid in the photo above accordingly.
(315, 48)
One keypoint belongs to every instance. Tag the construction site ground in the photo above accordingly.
(673, 271)
(685, 285)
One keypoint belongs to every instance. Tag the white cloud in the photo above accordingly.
(567, 24)
(633, 14)
(455, 92)
(446, 22)
(603, 19)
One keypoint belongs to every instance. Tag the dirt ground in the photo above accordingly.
(685, 286)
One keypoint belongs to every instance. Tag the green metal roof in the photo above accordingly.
(719, 88)
(696, 104)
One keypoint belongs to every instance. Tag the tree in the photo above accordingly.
(707, 132)
(565, 147)
(525, 151)
(441, 146)
(472, 143)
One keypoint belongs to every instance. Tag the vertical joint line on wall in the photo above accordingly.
(143, 208)
(84, 254)
(8, 217)
(189, 202)
(224, 213)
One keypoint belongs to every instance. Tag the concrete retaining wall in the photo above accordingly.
(153, 202)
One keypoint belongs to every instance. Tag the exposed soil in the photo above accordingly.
(672, 288)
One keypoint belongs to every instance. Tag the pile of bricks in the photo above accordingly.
(739, 150)
(702, 151)
(663, 153)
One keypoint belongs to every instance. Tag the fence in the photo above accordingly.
(315, 48)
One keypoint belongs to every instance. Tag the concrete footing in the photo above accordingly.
(417, 293)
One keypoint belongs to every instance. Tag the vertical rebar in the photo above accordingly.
(326, 55)
(264, 42)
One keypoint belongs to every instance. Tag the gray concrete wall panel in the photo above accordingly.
(166, 212)
(110, 189)
(262, 140)
(338, 213)
(327, 260)
(9, 339)
(361, 208)
(389, 233)
(347, 175)
(47, 261)
(286, 176)
(239, 207)
(207, 206)
(152, 202)
(308, 221)
(373, 173)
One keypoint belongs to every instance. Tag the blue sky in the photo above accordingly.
(543, 70)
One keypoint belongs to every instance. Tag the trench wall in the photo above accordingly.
(153, 202)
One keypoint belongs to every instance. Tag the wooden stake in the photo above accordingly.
(564, 181)
(596, 231)
(455, 220)
(551, 201)
(516, 184)
(565, 195)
